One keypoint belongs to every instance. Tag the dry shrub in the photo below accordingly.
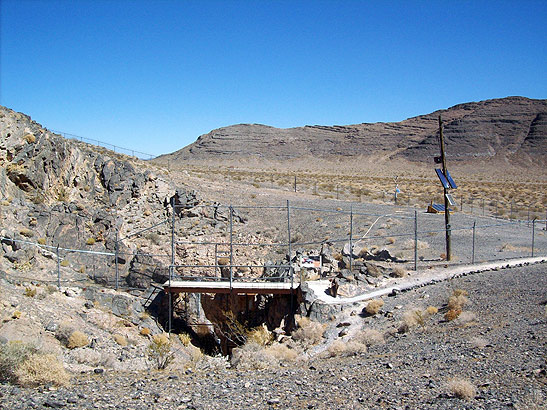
(478, 342)
(253, 356)
(415, 317)
(452, 314)
(184, 338)
(29, 138)
(374, 306)
(345, 348)
(159, 350)
(432, 310)
(145, 331)
(390, 240)
(41, 241)
(369, 337)
(260, 335)
(41, 369)
(77, 339)
(90, 241)
(309, 333)
(399, 272)
(26, 232)
(456, 303)
(282, 352)
(466, 318)
(12, 355)
(462, 388)
(120, 339)
(409, 244)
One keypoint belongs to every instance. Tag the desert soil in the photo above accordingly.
(501, 349)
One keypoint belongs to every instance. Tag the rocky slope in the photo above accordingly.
(512, 127)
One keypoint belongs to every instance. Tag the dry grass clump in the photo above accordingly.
(12, 355)
(345, 348)
(456, 303)
(254, 356)
(184, 338)
(415, 317)
(369, 337)
(30, 292)
(462, 388)
(260, 335)
(399, 272)
(40, 369)
(309, 333)
(22, 364)
(374, 306)
(77, 339)
(120, 339)
(29, 138)
(145, 331)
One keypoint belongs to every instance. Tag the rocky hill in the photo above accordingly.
(512, 128)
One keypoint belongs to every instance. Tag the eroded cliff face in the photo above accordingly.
(507, 128)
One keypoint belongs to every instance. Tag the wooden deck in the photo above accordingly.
(244, 288)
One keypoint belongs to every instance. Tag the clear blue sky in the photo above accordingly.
(154, 75)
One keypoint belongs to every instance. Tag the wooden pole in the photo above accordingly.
(446, 204)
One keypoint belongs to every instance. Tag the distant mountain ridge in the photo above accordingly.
(508, 128)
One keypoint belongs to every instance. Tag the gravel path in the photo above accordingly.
(502, 352)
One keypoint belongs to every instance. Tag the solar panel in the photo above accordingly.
(450, 180)
(442, 178)
(451, 200)
(438, 207)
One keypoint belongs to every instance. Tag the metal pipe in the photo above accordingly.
(116, 262)
(58, 269)
(533, 235)
(473, 243)
(415, 240)
(231, 245)
(351, 239)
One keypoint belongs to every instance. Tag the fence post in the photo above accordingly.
(528, 219)
(351, 238)
(533, 235)
(473, 243)
(295, 183)
(116, 261)
(58, 269)
(172, 267)
(415, 240)
(482, 206)
(231, 246)
(289, 243)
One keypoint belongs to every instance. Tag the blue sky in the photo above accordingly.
(154, 75)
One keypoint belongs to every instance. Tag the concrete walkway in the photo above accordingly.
(418, 279)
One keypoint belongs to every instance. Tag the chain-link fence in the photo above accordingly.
(249, 243)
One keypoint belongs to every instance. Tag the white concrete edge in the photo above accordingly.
(419, 279)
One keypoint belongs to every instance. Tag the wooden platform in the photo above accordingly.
(244, 288)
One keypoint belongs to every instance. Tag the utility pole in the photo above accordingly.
(446, 204)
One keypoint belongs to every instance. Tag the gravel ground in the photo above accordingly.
(502, 351)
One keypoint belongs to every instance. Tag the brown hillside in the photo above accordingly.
(511, 128)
